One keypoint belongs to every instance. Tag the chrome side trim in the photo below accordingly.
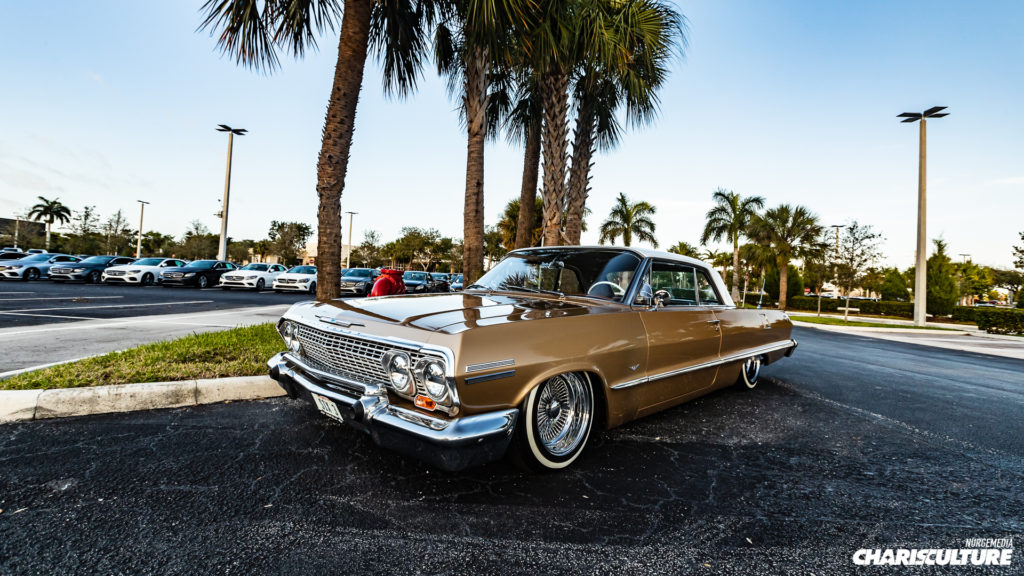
(490, 365)
(489, 377)
(711, 364)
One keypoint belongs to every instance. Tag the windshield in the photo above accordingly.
(359, 273)
(303, 270)
(256, 267)
(440, 276)
(591, 271)
(202, 264)
(148, 262)
(97, 260)
(420, 276)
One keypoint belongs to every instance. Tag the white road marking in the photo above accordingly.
(47, 315)
(153, 319)
(5, 293)
(115, 306)
(60, 298)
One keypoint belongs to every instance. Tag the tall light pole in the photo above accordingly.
(835, 266)
(222, 252)
(138, 243)
(348, 259)
(920, 270)
(964, 258)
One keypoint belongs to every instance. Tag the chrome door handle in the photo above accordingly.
(715, 322)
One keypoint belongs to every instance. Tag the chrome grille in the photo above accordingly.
(350, 357)
(286, 281)
(173, 274)
(115, 273)
(60, 270)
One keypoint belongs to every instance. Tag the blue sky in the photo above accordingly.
(107, 102)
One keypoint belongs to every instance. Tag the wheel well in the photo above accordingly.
(601, 408)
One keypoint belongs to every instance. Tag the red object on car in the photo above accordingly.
(389, 282)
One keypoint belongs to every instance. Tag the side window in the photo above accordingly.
(673, 283)
(708, 296)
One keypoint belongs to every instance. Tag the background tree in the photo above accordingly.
(1009, 280)
(83, 238)
(157, 244)
(117, 234)
(685, 249)
(523, 124)
(894, 286)
(238, 250)
(858, 247)
(422, 246)
(494, 247)
(773, 281)
(788, 231)
(49, 211)
(756, 260)
(628, 219)
(509, 222)
(198, 243)
(819, 266)
(728, 220)
(1018, 254)
(973, 281)
(253, 32)
(942, 288)
(369, 253)
(287, 239)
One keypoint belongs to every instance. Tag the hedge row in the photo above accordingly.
(1000, 320)
(882, 308)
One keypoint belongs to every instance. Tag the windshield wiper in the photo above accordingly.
(535, 290)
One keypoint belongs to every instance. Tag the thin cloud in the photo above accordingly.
(1006, 181)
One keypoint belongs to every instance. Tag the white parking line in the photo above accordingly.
(96, 323)
(61, 298)
(115, 306)
(5, 293)
(48, 315)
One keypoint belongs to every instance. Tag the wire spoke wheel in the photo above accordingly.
(750, 372)
(563, 414)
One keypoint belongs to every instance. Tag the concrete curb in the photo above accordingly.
(20, 405)
(894, 329)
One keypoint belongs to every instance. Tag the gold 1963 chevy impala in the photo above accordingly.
(548, 344)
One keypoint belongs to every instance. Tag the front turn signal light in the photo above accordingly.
(425, 403)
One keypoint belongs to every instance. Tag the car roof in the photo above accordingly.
(639, 251)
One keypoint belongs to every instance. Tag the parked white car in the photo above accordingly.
(145, 271)
(255, 276)
(298, 279)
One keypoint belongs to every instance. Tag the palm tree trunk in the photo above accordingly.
(475, 101)
(579, 173)
(627, 234)
(783, 283)
(528, 192)
(556, 104)
(332, 164)
(735, 267)
(48, 224)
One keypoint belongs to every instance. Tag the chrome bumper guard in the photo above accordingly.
(448, 444)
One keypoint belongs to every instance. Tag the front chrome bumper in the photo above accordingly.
(452, 444)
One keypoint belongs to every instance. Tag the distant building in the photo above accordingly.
(308, 255)
(22, 233)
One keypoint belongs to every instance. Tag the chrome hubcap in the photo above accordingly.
(564, 410)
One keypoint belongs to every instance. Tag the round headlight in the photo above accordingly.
(79, 269)
(288, 333)
(434, 380)
(397, 365)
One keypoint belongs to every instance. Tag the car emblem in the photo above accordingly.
(336, 321)
(634, 367)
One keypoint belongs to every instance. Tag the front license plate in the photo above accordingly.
(327, 406)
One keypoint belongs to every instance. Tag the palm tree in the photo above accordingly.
(646, 33)
(789, 231)
(50, 211)
(522, 124)
(252, 32)
(728, 219)
(628, 220)
(471, 43)
(510, 220)
(685, 249)
(756, 258)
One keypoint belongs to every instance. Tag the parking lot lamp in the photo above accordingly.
(920, 271)
(138, 242)
(348, 259)
(222, 252)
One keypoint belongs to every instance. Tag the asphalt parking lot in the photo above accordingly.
(45, 322)
(45, 302)
(853, 443)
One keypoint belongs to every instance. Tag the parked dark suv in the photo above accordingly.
(88, 270)
(201, 273)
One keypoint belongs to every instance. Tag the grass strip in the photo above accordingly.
(839, 322)
(236, 352)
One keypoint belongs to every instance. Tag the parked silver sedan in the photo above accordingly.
(34, 266)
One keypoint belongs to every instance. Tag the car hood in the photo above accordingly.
(356, 279)
(186, 269)
(454, 313)
(289, 276)
(127, 267)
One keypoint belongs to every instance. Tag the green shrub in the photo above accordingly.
(964, 314)
(794, 283)
(1000, 320)
(807, 303)
(884, 308)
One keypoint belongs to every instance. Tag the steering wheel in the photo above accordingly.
(615, 288)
